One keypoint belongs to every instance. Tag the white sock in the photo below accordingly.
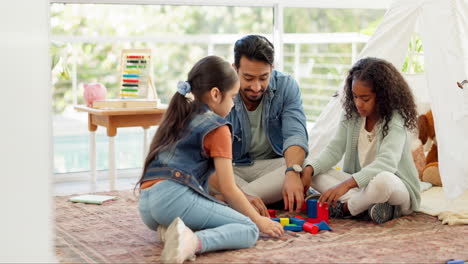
(161, 233)
(181, 243)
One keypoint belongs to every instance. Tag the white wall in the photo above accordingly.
(26, 218)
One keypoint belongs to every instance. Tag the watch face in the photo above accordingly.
(297, 167)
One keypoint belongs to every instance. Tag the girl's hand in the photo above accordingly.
(270, 227)
(332, 195)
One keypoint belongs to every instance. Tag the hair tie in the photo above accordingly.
(183, 87)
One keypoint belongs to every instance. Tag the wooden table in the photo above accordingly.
(113, 119)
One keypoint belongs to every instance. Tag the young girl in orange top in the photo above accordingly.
(193, 142)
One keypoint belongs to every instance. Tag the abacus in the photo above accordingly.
(136, 80)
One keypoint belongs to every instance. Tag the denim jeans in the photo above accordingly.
(219, 226)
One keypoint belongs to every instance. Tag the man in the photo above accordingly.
(269, 128)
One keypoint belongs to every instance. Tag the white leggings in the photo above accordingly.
(384, 187)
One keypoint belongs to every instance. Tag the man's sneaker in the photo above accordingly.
(337, 211)
(383, 212)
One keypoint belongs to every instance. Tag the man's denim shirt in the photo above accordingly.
(186, 161)
(283, 119)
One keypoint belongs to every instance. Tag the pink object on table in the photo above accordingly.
(93, 92)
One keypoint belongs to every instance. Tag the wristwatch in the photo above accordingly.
(294, 167)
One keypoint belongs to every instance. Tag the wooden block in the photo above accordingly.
(296, 221)
(322, 213)
(312, 208)
(294, 228)
(272, 213)
(284, 221)
(311, 228)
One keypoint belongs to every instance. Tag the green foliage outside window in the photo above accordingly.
(99, 62)
(414, 60)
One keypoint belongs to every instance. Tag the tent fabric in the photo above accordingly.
(451, 212)
(442, 25)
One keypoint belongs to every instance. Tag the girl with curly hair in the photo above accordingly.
(379, 179)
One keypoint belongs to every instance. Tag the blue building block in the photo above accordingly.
(323, 226)
(455, 261)
(275, 219)
(296, 221)
(294, 228)
(312, 208)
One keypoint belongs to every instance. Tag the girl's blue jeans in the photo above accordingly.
(219, 226)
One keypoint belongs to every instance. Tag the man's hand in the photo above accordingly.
(306, 177)
(258, 204)
(293, 191)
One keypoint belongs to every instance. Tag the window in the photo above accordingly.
(320, 45)
(414, 61)
(86, 43)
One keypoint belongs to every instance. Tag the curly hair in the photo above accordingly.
(392, 91)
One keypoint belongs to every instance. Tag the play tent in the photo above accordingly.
(443, 27)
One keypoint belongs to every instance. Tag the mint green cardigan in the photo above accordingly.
(393, 154)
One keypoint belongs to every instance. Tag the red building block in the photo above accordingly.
(311, 228)
(313, 220)
(272, 213)
(322, 213)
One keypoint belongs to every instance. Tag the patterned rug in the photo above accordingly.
(114, 233)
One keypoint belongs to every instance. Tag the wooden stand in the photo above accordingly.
(112, 119)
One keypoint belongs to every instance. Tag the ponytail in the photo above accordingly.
(209, 72)
(178, 114)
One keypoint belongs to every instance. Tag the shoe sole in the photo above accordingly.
(314, 196)
(161, 233)
(381, 213)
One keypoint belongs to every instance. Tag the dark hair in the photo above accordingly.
(254, 47)
(207, 73)
(392, 91)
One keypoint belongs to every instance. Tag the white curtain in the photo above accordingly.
(445, 64)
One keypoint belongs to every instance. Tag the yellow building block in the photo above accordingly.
(284, 221)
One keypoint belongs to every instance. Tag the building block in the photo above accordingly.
(322, 213)
(455, 261)
(295, 228)
(304, 206)
(323, 226)
(311, 228)
(313, 220)
(300, 217)
(275, 219)
(284, 221)
(296, 221)
(272, 213)
(312, 208)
